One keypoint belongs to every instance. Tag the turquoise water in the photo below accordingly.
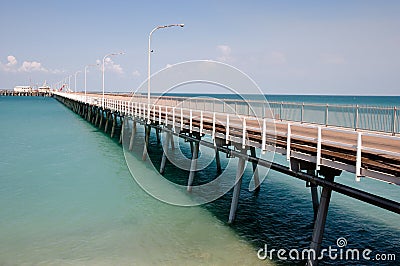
(67, 197)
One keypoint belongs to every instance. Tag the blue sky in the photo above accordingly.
(287, 47)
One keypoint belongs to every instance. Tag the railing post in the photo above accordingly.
(394, 121)
(359, 158)
(327, 115)
(302, 113)
(356, 119)
(213, 105)
(263, 110)
(280, 111)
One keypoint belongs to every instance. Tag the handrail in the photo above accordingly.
(238, 125)
(374, 118)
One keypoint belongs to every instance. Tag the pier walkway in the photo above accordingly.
(319, 141)
(366, 153)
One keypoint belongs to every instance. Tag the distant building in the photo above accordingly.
(22, 88)
(44, 89)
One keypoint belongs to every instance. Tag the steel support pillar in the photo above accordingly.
(132, 134)
(165, 150)
(255, 170)
(319, 224)
(314, 194)
(114, 124)
(123, 124)
(146, 141)
(194, 145)
(218, 161)
(107, 121)
(236, 189)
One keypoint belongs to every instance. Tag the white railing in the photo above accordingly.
(175, 115)
(373, 118)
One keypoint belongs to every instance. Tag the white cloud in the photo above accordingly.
(136, 73)
(12, 61)
(10, 66)
(225, 52)
(111, 66)
(26, 66)
(333, 59)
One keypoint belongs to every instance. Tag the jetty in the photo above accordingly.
(318, 141)
(26, 93)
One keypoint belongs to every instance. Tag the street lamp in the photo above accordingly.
(69, 82)
(104, 59)
(86, 67)
(148, 67)
(76, 73)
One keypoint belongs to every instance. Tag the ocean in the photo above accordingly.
(67, 198)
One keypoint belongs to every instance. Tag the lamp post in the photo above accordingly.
(76, 73)
(69, 82)
(104, 59)
(148, 66)
(86, 67)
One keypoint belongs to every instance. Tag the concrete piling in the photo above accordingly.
(97, 116)
(172, 142)
(146, 141)
(218, 161)
(114, 124)
(132, 134)
(314, 194)
(123, 126)
(319, 224)
(158, 135)
(107, 120)
(165, 151)
(236, 189)
(255, 170)
(101, 119)
(193, 164)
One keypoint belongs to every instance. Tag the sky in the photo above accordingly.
(340, 47)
